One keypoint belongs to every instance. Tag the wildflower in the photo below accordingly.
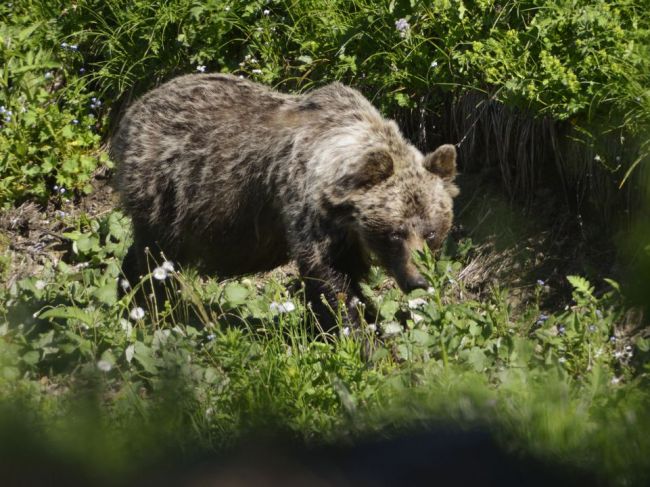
(562, 360)
(40, 284)
(55, 187)
(227, 8)
(75, 121)
(201, 68)
(592, 328)
(124, 284)
(416, 303)
(392, 328)
(615, 380)
(266, 12)
(402, 26)
(540, 282)
(434, 64)
(599, 313)
(104, 365)
(541, 318)
(561, 330)
(73, 47)
(618, 354)
(612, 339)
(211, 337)
(95, 103)
(61, 190)
(129, 353)
(346, 331)
(82, 70)
(159, 273)
(168, 266)
(257, 71)
(48, 75)
(372, 328)
(137, 313)
(431, 290)
(597, 158)
(64, 45)
(286, 307)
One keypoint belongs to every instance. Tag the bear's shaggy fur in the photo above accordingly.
(232, 178)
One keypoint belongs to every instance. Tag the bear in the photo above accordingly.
(231, 177)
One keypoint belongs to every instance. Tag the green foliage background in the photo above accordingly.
(564, 384)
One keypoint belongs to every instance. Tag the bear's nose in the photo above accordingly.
(416, 282)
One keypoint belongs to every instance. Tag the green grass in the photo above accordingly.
(219, 362)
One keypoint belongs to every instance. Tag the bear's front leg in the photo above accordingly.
(331, 297)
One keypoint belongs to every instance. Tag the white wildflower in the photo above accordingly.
(168, 266)
(392, 328)
(257, 71)
(201, 68)
(615, 380)
(434, 64)
(286, 307)
(48, 75)
(104, 365)
(417, 303)
(124, 284)
(266, 11)
(137, 313)
(346, 331)
(129, 353)
(40, 284)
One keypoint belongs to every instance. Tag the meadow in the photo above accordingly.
(534, 327)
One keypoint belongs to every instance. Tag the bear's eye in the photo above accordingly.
(396, 236)
(430, 236)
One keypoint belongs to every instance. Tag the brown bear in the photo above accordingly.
(231, 177)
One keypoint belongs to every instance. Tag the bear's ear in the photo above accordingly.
(377, 166)
(442, 162)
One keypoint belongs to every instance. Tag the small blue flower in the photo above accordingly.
(540, 282)
(402, 25)
(612, 339)
(82, 70)
(542, 318)
(561, 330)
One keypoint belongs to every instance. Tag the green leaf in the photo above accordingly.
(235, 293)
(68, 312)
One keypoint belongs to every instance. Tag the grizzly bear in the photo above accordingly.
(231, 177)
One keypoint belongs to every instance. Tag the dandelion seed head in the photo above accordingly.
(159, 273)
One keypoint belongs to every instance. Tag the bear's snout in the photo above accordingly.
(415, 282)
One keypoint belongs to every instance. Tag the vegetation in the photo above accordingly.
(563, 382)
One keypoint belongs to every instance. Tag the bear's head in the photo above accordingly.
(400, 202)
